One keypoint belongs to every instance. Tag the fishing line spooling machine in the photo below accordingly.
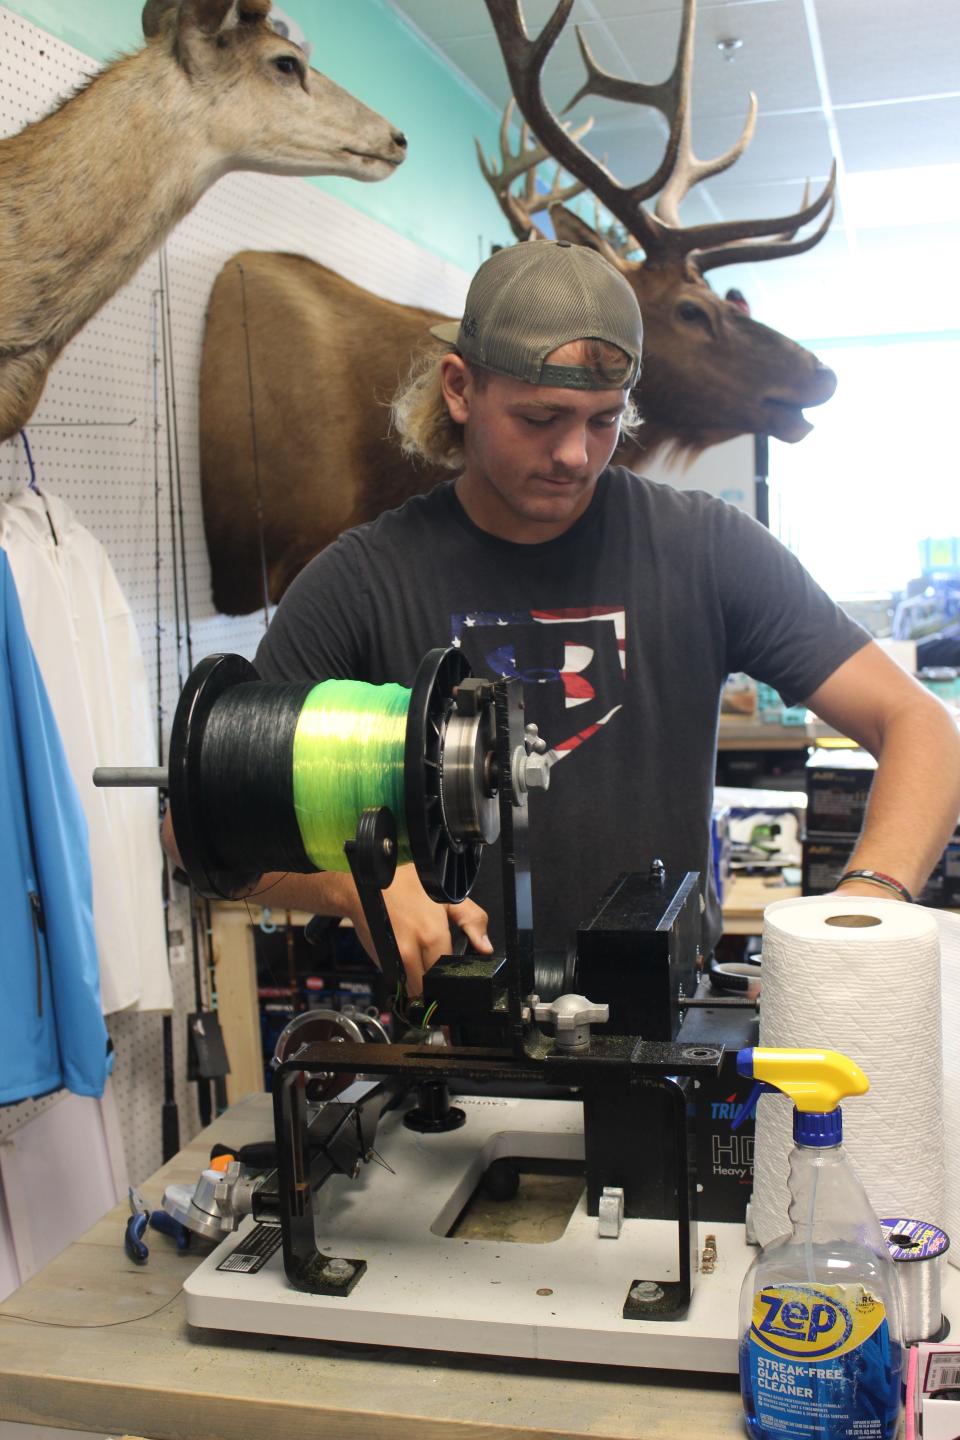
(269, 778)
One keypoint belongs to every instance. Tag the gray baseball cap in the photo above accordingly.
(529, 299)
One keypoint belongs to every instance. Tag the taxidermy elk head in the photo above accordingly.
(710, 372)
(87, 193)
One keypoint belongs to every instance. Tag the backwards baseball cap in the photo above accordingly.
(529, 299)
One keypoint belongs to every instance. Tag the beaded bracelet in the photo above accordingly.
(877, 877)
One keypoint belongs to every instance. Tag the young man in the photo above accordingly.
(621, 604)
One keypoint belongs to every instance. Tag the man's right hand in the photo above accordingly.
(421, 926)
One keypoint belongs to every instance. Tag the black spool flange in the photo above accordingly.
(447, 867)
(207, 682)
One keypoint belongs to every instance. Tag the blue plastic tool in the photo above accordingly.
(140, 1217)
(133, 1235)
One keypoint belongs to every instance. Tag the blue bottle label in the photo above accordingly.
(817, 1361)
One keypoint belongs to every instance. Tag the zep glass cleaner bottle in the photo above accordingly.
(820, 1308)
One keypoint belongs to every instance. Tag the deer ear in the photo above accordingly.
(155, 13)
(569, 226)
(212, 16)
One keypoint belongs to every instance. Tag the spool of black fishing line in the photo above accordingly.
(246, 774)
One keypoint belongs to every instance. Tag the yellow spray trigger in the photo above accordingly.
(815, 1080)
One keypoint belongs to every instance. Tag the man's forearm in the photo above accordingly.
(915, 798)
(329, 892)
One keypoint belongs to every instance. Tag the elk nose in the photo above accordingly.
(399, 139)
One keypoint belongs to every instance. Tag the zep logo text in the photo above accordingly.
(804, 1323)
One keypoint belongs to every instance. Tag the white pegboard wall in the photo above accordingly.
(95, 443)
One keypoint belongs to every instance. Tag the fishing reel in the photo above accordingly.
(230, 779)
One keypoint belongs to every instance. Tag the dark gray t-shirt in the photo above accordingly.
(623, 630)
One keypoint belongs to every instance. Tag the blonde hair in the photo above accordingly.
(425, 429)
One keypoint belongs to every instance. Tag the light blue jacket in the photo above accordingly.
(51, 1028)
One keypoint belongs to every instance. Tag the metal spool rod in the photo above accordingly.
(129, 775)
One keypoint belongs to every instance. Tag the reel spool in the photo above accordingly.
(449, 781)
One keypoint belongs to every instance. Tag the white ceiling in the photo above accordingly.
(873, 84)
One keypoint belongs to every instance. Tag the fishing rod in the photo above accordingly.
(204, 1047)
(169, 1114)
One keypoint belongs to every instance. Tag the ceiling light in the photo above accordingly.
(729, 46)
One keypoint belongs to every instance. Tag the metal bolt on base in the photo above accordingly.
(337, 1270)
(646, 1292)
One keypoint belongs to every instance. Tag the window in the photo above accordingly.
(880, 471)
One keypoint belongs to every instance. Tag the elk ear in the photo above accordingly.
(569, 226)
(155, 12)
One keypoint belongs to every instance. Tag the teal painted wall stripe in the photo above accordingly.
(438, 198)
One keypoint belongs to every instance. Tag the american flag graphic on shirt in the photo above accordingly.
(572, 663)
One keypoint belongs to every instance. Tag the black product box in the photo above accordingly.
(724, 1154)
(943, 887)
(825, 857)
(838, 787)
(932, 892)
(951, 875)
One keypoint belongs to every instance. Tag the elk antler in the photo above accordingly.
(742, 252)
(520, 207)
(660, 233)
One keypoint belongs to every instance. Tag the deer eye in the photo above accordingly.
(287, 65)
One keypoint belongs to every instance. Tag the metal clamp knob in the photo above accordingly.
(571, 1016)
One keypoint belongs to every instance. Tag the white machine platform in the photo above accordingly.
(545, 1299)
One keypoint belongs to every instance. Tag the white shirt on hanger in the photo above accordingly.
(86, 644)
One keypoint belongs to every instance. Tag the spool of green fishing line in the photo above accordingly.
(348, 752)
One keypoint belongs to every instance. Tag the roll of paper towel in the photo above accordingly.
(861, 976)
(950, 960)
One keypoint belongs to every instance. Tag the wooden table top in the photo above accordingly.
(130, 1364)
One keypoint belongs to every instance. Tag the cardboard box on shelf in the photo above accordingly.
(762, 827)
(838, 787)
(739, 697)
(824, 861)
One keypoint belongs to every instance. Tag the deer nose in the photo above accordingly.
(399, 139)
